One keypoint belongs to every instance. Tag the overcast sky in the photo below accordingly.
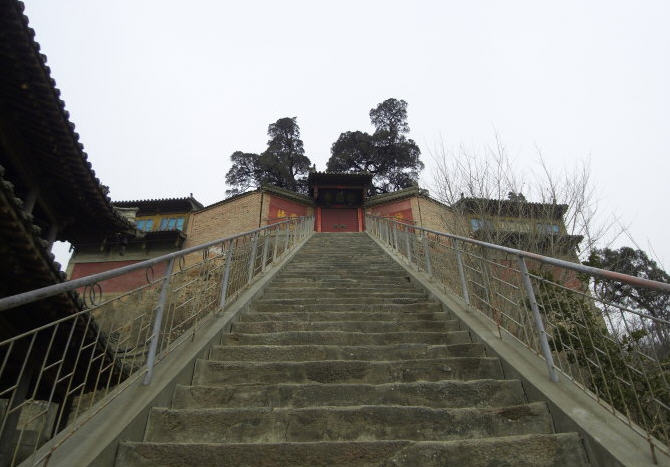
(163, 92)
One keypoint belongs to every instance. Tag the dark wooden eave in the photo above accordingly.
(41, 148)
(338, 179)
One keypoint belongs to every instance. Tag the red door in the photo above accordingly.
(339, 220)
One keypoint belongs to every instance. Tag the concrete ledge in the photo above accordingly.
(125, 417)
(607, 440)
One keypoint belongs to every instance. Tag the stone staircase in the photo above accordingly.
(345, 362)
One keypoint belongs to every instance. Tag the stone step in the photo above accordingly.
(343, 262)
(537, 450)
(346, 338)
(214, 373)
(353, 326)
(365, 265)
(324, 282)
(304, 353)
(440, 394)
(361, 423)
(366, 276)
(368, 300)
(419, 306)
(337, 286)
(300, 292)
(309, 316)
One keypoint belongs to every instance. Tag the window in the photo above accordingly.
(477, 224)
(172, 223)
(547, 228)
(144, 225)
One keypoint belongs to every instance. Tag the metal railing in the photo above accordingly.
(69, 369)
(564, 312)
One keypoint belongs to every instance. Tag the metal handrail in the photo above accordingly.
(58, 376)
(577, 267)
(24, 298)
(617, 354)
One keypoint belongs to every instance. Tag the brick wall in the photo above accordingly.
(225, 219)
(436, 216)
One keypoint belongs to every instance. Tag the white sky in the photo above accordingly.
(162, 92)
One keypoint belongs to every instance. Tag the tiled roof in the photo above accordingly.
(265, 188)
(396, 195)
(40, 148)
(511, 208)
(360, 178)
(186, 204)
(45, 148)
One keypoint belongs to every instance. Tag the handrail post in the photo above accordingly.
(286, 238)
(461, 273)
(252, 256)
(265, 253)
(539, 325)
(395, 236)
(226, 274)
(408, 246)
(275, 243)
(426, 252)
(158, 321)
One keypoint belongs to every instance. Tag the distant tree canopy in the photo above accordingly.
(283, 163)
(387, 154)
(635, 263)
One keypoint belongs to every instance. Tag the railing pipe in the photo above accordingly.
(539, 325)
(74, 284)
(581, 268)
(158, 321)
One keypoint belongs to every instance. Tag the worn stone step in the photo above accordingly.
(369, 300)
(308, 316)
(351, 286)
(350, 269)
(370, 262)
(354, 326)
(419, 306)
(541, 450)
(478, 393)
(351, 274)
(277, 293)
(360, 423)
(304, 353)
(330, 283)
(213, 373)
(346, 338)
